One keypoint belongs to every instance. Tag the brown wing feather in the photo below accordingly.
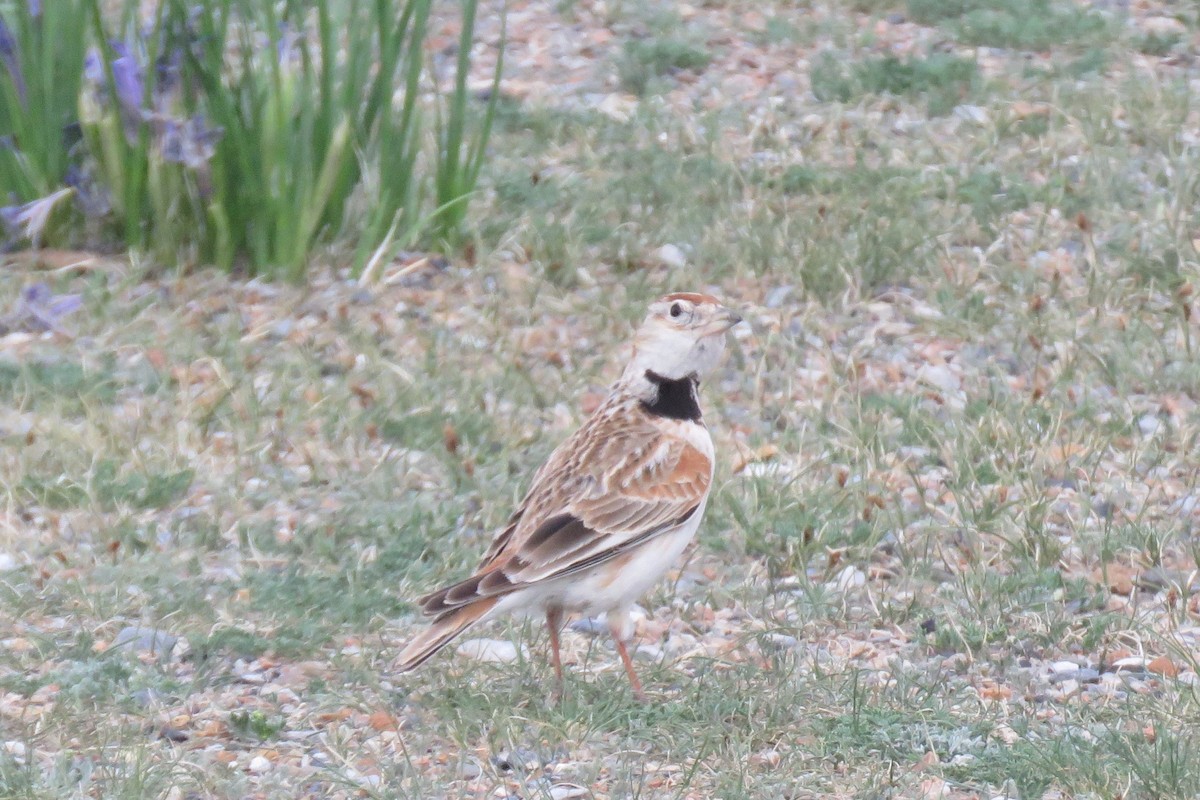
(501, 539)
(605, 490)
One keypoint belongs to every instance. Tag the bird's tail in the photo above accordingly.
(443, 630)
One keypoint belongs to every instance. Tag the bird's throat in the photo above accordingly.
(674, 398)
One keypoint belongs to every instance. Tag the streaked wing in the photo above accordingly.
(657, 484)
(605, 490)
(501, 540)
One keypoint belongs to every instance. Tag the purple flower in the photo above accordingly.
(35, 8)
(8, 45)
(191, 143)
(29, 220)
(127, 78)
(93, 69)
(130, 75)
(288, 46)
(166, 71)
(38, 309)
(10, 216)
(8, 57)
(148, 99)
(128, 83)
(90, 197)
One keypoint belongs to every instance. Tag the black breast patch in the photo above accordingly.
(676, 398)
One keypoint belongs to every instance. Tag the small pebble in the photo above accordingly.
(495, 651)
(648, 652)
(818, 655)
(522, 758)
(259, 765)
(1185, 505)
(566, 791)
(147, 697)
(778, 296)
(849, 578)
(915, 454)
(173, 734)
(137, 638)
(1080, 674)
(939, 376)
(671, 256)
(1134, 664)
(593, 626)
(296, 736)
(976, 114)
(780, 641)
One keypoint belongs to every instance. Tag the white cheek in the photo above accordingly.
(708, 353)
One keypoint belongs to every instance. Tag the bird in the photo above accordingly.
(615, 504)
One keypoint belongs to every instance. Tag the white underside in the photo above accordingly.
(594, 591)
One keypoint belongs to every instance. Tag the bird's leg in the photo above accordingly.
(554, 617)
(633, 678)
(620, 625)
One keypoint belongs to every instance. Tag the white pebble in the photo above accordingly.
(1131, 662)
(976, 114)
(671, 256)
(781, 641)
(849, 578)
(939, 376)
(648, 652)
(259, 765)
(1186, 505)
(495, 651)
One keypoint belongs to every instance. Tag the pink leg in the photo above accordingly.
(633, 678)
(621, 628)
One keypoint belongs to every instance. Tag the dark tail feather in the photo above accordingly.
(443, 630)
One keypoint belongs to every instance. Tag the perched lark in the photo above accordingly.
(614, 506)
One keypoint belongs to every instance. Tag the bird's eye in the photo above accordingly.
(676, 309)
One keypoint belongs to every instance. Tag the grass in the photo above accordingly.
(644, 62)
(1157, 44)
(971, 354)
(39, 92)
(661, 45)
(944, 80)
(233, 133)
(1015, 24)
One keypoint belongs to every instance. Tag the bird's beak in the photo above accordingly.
(726, 318)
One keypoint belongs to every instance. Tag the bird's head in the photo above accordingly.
(684, 334)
